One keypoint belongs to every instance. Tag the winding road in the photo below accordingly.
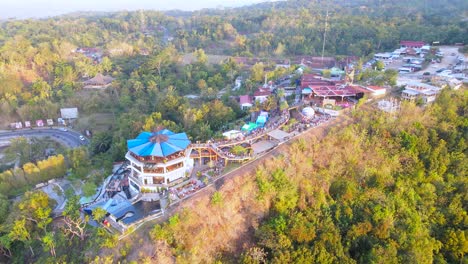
(68, 138)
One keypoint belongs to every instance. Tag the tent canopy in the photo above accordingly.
(249, 127)
(306, 91)
(232, 134)
(308, 111)
(261, 120)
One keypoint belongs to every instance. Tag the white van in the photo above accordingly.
(445, 73)
(404, 70)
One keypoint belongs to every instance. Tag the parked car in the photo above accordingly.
(426, 73)
(82, 138)
(441, 70)
(446, 72)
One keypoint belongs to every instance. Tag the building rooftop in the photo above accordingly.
(158, 144)
(99, 79)
(410, 92)
(375, 88)
(245, 99)
(329, 91)
(262, 92)
(410, 43)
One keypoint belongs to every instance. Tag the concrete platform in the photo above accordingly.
(263, 146)
(279, 135)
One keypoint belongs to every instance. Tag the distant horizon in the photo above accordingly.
(38, 9)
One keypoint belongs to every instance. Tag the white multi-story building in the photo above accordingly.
(415, 90)
(159, 159)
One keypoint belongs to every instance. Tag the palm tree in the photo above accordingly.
(280, 93)
(284, 105)
(270, 103)
(256, 107)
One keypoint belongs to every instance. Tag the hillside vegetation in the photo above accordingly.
(387, 189)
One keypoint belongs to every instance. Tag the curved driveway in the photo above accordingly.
(68, 138)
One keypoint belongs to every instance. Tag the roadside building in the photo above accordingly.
(411, 44)
(68, 114)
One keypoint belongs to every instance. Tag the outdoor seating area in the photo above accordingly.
(232, 155)
(155, 159)
(318, 120)
(186, 189)
(149, 168)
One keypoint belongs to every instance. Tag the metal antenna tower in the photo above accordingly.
(325, 33)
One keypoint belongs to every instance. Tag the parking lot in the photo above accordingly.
(447, 62)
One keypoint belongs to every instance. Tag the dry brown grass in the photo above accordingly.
(208, 230)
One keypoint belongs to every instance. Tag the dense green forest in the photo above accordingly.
(354, 27)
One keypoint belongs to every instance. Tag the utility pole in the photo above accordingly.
(325, 33)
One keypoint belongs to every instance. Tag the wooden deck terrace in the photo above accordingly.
(214, 153)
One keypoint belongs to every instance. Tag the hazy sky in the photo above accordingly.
(45, 8)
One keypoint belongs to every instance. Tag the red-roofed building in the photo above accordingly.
(245, 102)
(337, 91)
(262, 94)
(411, 44)
(313, 85)
(314, 79)
(377, 90)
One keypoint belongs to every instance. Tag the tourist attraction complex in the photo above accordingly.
(159, 159)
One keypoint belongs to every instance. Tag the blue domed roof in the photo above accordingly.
(159, 144)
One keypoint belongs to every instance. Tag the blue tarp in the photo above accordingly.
(147, 144)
